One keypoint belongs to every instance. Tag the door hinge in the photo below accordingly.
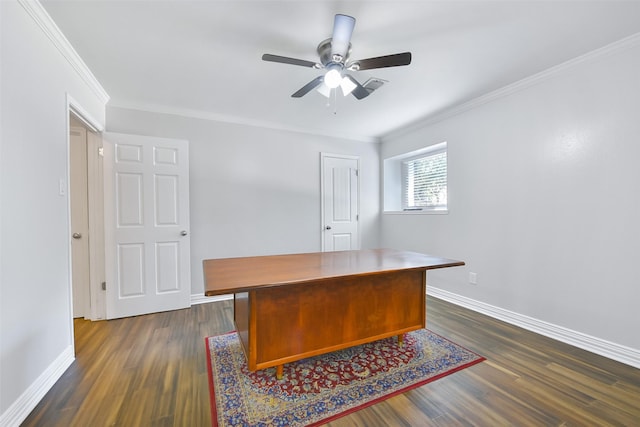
(104, 286)
(356, 172)
(101, 151)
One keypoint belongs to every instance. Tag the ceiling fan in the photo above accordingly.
(334, 56)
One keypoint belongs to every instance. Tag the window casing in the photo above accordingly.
(399, 187)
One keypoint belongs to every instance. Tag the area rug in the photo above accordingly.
(319, 389)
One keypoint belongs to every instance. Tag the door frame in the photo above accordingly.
(324, 156)
(96, 211)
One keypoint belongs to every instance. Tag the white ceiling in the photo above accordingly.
(203, 58)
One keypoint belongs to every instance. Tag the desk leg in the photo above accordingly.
(279, 371)
(400, 340)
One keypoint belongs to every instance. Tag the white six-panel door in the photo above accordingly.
(147, 228)
(339, 202)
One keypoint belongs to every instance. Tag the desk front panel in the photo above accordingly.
(287, 323)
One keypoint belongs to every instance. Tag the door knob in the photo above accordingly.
(183, 233)
(76, 235)
(328, 227)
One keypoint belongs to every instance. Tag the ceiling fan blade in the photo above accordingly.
(342, 30)
(287, 60)
(394, 60)
(309, 87)
(359, 92)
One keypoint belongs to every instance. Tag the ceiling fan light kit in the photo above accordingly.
(333, 77)
(334, 56)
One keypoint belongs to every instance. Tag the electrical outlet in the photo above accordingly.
(473, 278)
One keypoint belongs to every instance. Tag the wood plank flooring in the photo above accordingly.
(151, 371)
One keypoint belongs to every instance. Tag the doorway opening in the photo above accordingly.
(86, 212)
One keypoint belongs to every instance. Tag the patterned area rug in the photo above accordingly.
(319, 389)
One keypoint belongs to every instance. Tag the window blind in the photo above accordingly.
(425, 181)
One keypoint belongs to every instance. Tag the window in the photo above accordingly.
(424, 181)
(416, 182)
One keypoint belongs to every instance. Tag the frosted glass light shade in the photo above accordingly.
(324, 90)
(333, 78)
(347, 86)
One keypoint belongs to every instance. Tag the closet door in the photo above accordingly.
(339, 188)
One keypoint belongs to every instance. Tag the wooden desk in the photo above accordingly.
(290, 307)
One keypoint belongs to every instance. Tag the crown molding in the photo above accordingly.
(226, 118)
(610, 49)
(38, 13)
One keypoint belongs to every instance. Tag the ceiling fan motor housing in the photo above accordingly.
(326, 58)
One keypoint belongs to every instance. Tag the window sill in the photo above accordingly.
(419, 212)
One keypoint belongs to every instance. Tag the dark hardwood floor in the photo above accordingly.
(151, 371)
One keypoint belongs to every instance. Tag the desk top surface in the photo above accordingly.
(233, 275)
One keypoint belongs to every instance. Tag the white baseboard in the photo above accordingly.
(599, 346)
(22, 407)
(201, 299)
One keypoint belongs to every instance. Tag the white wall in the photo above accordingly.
(35, 312)
(255, 191)
(544, 198)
